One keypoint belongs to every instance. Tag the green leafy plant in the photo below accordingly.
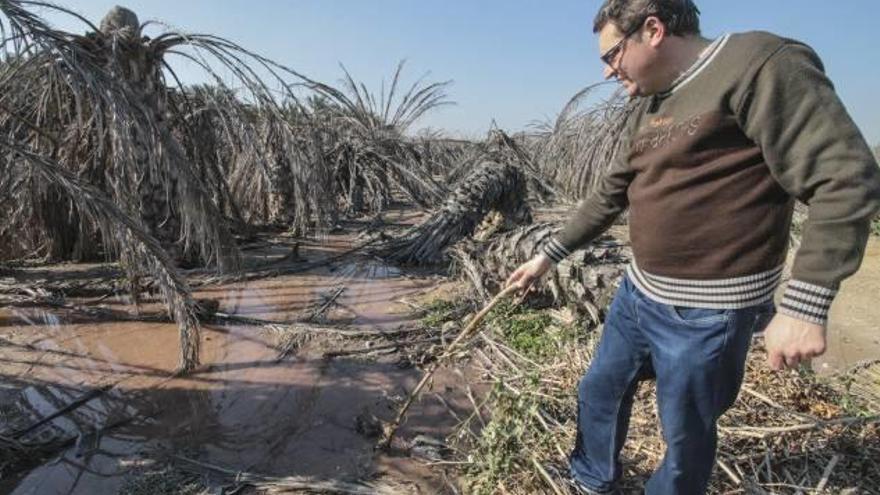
(528, 331)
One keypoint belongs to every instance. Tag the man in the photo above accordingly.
(728, 132)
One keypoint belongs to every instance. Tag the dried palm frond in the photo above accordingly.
(121, 232)
(579, 146)
(368, 148)
(441, 155)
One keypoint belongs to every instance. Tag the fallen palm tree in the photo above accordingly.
(490, 187)
(585, 281)
(506, 149)
(499, 147)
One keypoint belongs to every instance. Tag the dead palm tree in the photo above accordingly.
(367, 143)
(585, 281)
(99, 150)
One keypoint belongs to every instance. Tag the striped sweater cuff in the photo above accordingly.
(806, 301)
(555, 250)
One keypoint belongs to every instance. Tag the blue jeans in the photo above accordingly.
(698, 359)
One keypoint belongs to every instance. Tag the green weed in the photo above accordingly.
(499, 451)
(438, 312)
(528, 331)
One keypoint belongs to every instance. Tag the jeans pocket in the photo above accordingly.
(697, 316)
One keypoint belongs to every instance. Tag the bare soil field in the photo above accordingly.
(854, 322)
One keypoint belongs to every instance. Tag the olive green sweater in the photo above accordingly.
(710, 170)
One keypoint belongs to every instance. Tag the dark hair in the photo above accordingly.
(681, 17)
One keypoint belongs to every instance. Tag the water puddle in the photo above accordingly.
(244, 409)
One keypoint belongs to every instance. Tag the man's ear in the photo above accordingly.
(655, 31)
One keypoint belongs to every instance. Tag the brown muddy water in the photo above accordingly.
(243, 409)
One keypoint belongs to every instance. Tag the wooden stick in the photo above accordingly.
(730, 474)
(470, 397)
(827, 473)
(314, 316)
(772, 403)
(343, 330)
(546, 476)
(391, 428)
(367, 350)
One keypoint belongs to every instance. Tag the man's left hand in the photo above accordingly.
(790, 341)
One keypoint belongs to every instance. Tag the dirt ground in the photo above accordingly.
(854, 322)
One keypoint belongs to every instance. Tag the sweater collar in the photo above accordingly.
(706, 57)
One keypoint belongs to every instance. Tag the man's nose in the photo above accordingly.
(608, 72)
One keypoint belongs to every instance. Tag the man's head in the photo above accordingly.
(639, 38)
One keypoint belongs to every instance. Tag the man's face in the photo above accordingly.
(626, 58)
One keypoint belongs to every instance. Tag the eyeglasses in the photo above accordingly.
(611, 54)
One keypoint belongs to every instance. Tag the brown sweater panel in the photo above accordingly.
(705, 206)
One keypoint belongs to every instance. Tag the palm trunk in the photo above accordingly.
(585, 281)
(491, 187)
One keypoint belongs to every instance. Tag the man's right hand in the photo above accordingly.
(528, 273)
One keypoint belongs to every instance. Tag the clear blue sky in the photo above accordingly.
(516, 61)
